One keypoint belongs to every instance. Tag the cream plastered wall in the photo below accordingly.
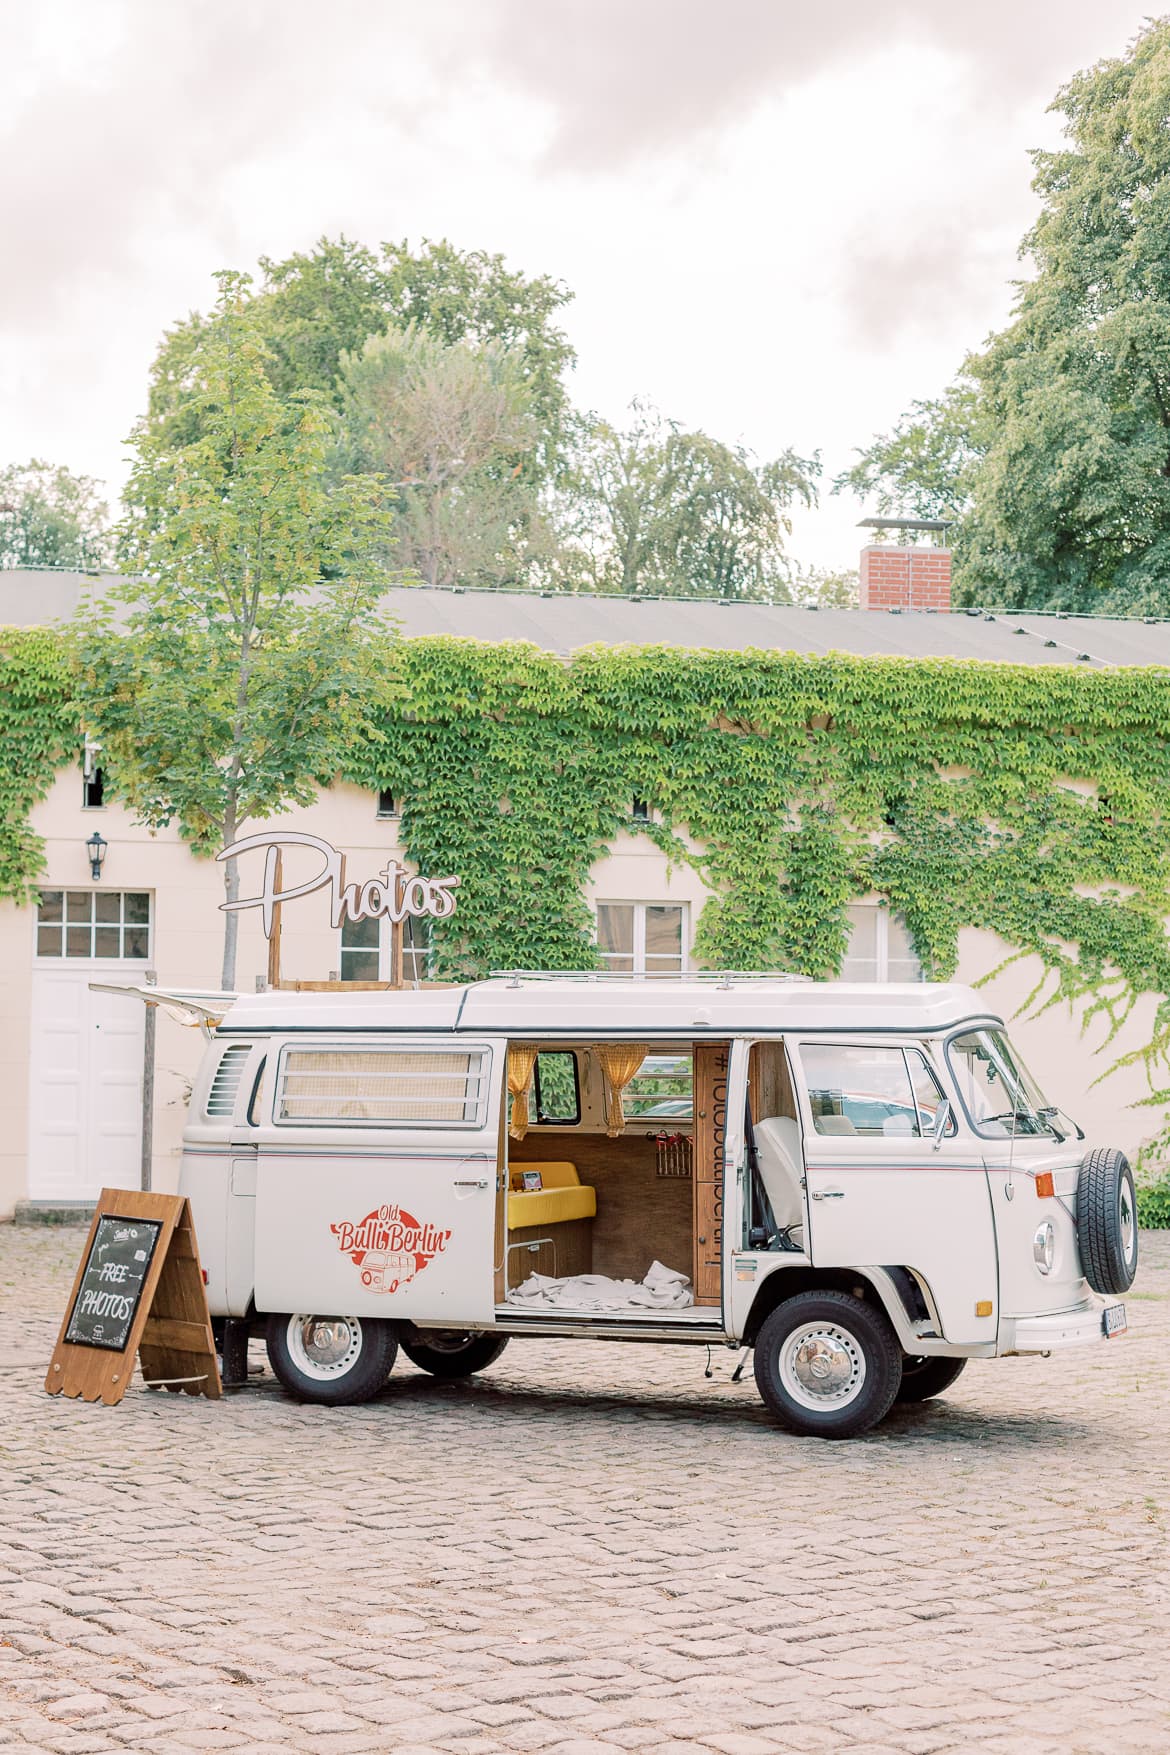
(1066, 1059)
(188, 942)
(187, 939)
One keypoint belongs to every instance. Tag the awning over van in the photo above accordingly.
(187, 1005)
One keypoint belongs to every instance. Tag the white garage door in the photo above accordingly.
(85, 1109)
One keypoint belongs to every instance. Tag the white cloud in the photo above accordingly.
(782, 223)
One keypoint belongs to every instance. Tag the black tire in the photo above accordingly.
(923, 1377)
(452, 1353)
(351, 1364)
(854, 1337)
(1107, 1220)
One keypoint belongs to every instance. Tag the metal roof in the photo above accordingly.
(563, 624)
(574, 1007)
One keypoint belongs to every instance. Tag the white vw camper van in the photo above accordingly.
(860, 1183)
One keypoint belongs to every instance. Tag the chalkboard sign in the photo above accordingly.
(138, 1294)
(112, 1282)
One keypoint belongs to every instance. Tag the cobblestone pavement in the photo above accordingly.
(589, 1548)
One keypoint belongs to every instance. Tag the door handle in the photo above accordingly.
(829, 1194)
(479, 1182)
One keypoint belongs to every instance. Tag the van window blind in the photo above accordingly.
(390, 1086)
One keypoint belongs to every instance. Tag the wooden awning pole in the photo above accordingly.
(395, 953)
(274, 941)
(148, 1058)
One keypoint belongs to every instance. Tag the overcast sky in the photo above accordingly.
(782, 222)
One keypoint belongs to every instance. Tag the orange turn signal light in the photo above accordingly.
(984, 1307)
(1046, 1184)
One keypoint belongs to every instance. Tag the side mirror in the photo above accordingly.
(942, 1120)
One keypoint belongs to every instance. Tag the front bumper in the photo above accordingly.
(1048, 1334)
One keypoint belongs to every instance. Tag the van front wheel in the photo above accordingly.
(828, 1365)
(925, 1376)
(334, 1360)
(454, 1353)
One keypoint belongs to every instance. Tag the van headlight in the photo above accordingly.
(1044, 1247)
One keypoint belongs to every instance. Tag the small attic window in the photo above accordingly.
(387, 807)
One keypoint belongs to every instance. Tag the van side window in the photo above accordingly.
(558, 1096)
(662, 1089)
(870, 1091)
(391, 1087)
(225, 1083)
(927, 1093)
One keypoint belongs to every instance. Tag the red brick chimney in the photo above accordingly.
(905, 577)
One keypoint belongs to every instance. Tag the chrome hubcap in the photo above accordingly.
(822, 1366)
(324, 1346)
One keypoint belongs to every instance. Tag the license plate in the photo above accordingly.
(1113, 1319)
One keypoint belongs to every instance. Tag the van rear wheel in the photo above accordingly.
(827, 1364)
(334, 1360)
(924, 1376)
(453, 1352)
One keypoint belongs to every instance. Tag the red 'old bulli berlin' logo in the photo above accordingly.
(389, 1246)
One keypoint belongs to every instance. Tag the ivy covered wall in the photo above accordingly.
(1027, 801)
(38, 734)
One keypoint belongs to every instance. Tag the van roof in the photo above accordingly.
(602, 1005)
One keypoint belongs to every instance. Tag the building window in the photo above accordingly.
(640, 810)
(880, 947)
(365, 950)
(386, 805)
(93, 787)
(94, 924)
(642, 938)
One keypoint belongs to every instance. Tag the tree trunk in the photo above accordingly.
(231, 923)
(231, 892)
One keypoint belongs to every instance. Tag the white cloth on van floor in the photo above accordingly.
(662, 1289)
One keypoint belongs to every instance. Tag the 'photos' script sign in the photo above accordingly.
(393, 893)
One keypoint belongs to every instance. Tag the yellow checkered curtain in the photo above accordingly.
(521, 1060)
(619, 1062)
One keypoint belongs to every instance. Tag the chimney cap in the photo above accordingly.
(905, 523)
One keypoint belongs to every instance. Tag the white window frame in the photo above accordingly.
(639, 950)
(53, 959)
(384, 953)
(881, 955)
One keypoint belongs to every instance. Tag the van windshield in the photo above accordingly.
(1000, 1095)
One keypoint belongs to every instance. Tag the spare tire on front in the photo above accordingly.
(1107, 1220)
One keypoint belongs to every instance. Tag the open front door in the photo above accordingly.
(376, 1179)
(884, 1191)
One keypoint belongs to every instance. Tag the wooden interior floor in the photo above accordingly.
(641, 1217)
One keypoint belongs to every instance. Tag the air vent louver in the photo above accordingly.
(221, 1099)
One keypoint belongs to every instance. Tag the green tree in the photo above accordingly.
(1054, 445)
(655, 509)
(51, 518)
(450, 426)
(925, 466)
(245, 655)
(827, 588)
(315, 306)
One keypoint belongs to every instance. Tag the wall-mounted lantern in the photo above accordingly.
(97, 847)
